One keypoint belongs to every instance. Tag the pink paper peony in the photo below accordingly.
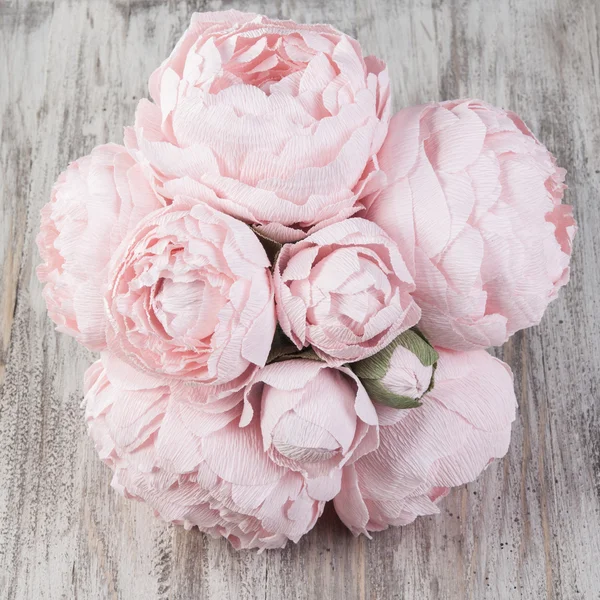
(345, 290)
(94, 204)
(183, 452)
(474, 202)
(190, 296)
(463, 424)
(314, 419)
(274, 122)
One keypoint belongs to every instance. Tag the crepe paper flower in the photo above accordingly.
(401, 373)
(274, 122)
(345, 290)
(474, 202)
(192, 462)
(314, 419)
(253, 266)
(463, 424)
(93, 205)
(190, 296)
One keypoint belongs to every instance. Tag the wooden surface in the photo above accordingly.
(71, 73)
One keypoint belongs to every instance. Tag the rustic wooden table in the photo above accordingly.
(71, 74)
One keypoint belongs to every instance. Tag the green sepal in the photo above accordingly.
(272, 247)
(382, 395)
(372, 370)
(283, 348)
(305, 354)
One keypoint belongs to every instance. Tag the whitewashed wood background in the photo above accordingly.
(71, 73)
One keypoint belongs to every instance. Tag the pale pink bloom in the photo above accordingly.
(407, 375)
(345, 290)
(93, 205)
(190, 296)
(314, 420)
(474, 202)
(463, 424)
(180, 448)
(274, 122)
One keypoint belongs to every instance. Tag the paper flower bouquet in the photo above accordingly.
(292, 292)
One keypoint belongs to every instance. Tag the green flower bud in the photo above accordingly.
(401, 373)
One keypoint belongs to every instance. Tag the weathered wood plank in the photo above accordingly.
(529, 528)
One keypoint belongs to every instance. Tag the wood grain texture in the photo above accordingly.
(71, 73)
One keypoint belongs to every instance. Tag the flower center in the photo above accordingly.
(260, 57)
(357, 292)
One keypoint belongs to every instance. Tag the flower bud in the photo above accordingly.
(401, 373)
(314, 419)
